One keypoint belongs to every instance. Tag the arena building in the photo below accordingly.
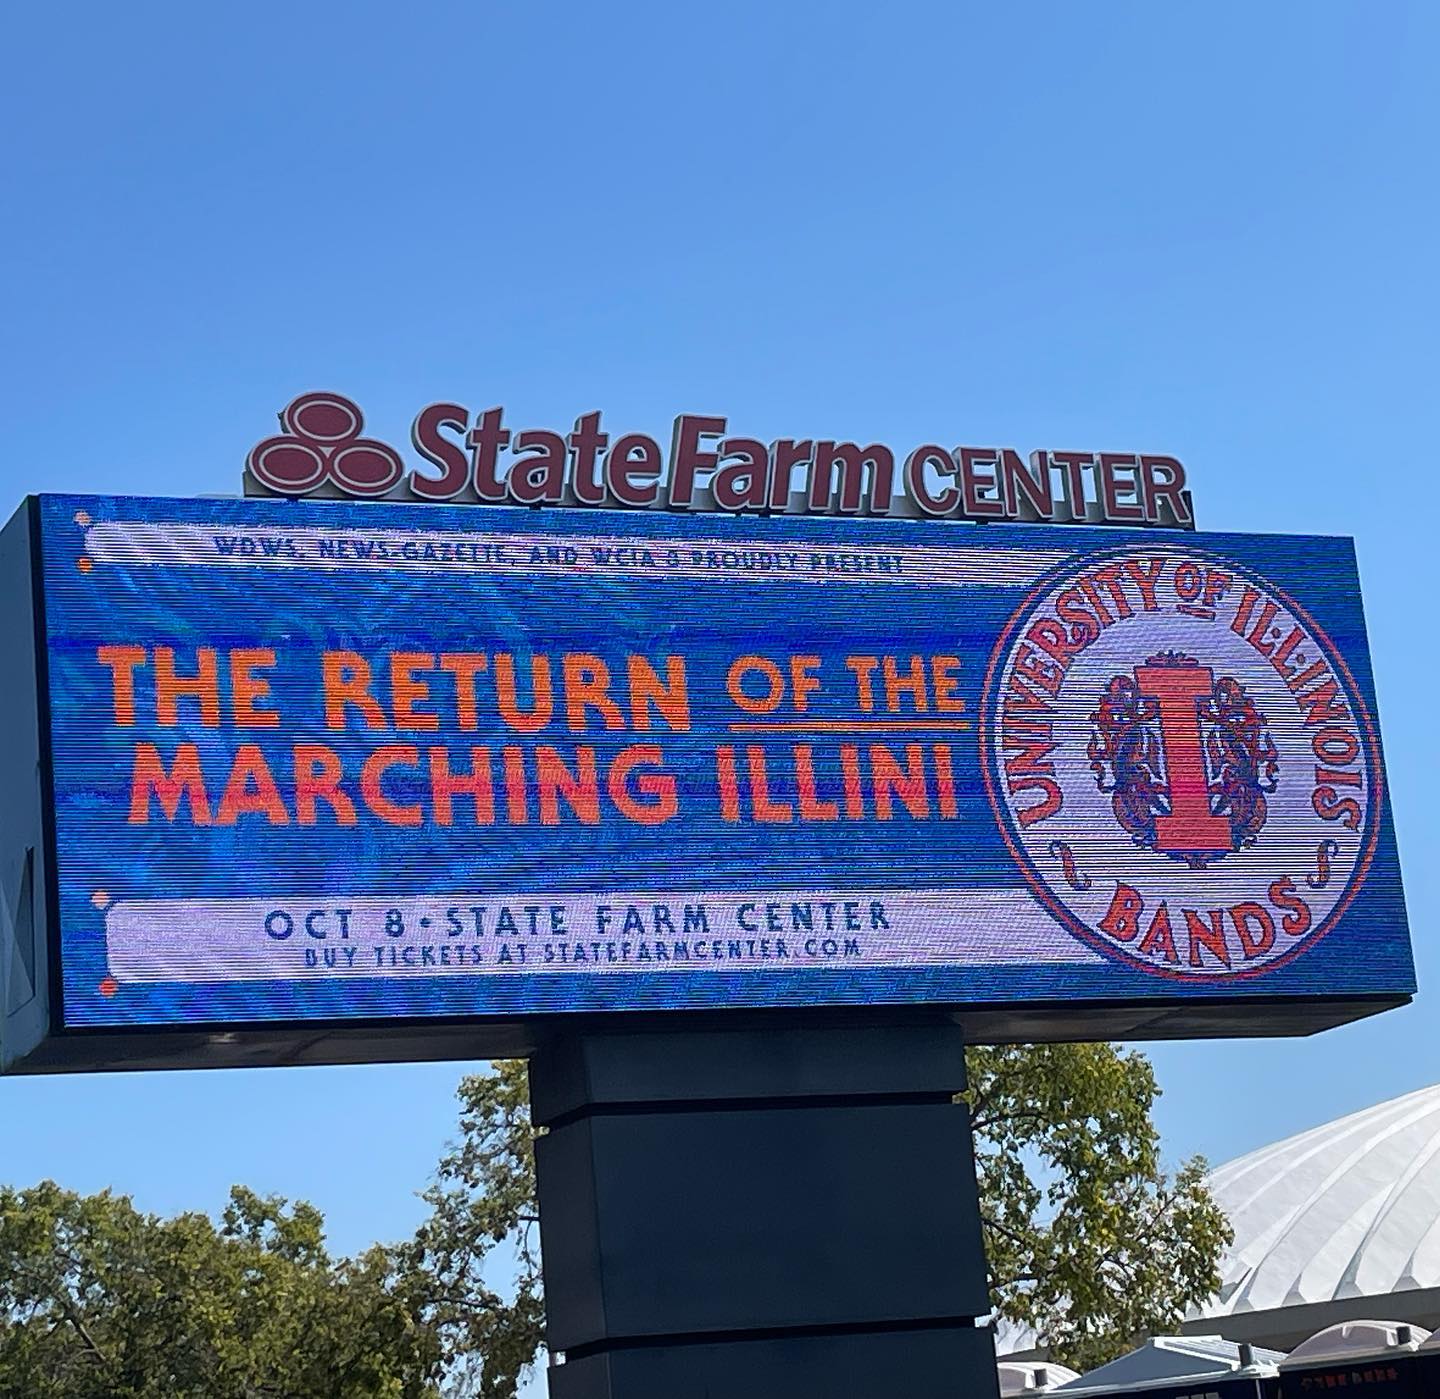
(1336, 1224)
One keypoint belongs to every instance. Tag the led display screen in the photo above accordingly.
(332, 761)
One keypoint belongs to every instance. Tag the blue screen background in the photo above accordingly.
(303, 611)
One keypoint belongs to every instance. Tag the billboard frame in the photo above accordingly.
(35, 1039)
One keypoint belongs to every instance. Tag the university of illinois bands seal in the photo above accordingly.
(1180, 762)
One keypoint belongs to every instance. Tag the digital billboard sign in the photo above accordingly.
(337, 763)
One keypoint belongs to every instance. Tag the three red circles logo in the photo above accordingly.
(322, 443)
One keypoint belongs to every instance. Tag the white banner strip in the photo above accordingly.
(548, 555)
(209, 940)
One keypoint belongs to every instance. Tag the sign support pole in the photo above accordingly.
(760, 1214)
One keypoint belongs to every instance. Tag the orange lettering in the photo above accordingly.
(542, 709)
(317, 778)
(204, 686)
(587, 686)
(406, 691)
(945, 778)
(517, 800)
(581, 789)
(184, 779)
(774, 684)
(658, 788)
(1159, 938)
(379, 762)
(122, 661)
(668, 696)
(1255, 927)
(1209, 934)
(478, 784)
(247, 689)
(907, 783)
(238, 800)
(945, 682)
(726, 780)
(1122, 919)
(850, 778)
(912, 684)
(1297, 917)
(765, 809)
(464, 666)
(346, 677)
(811, 807)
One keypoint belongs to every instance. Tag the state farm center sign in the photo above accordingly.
(376, 777)
(322, 450)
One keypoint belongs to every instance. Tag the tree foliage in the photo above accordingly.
(1090, 1243)
(474, 1265)
(98, 1298)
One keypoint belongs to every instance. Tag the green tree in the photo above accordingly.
(1090, 1243)
(100, 1299)
(474, 1265)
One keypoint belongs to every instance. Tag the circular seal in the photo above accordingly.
(1180, 762)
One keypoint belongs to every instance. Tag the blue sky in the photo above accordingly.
(1208, 231)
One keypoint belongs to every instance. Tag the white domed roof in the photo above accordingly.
(1350, 1209)
(1355, 1338)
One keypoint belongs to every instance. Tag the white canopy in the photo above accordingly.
(1347, 1210)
